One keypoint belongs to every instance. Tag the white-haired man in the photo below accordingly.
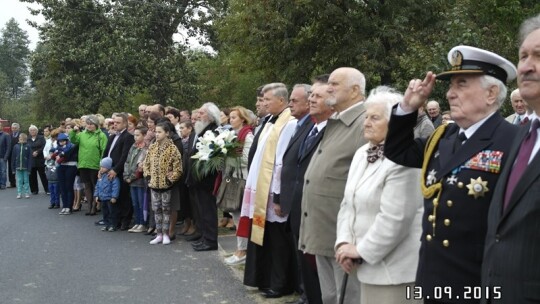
(325, 179)
(460, 163)
(520, 116)
(510, 270)
(201, 189)
(270, 241)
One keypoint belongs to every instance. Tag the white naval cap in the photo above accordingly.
(471, 60)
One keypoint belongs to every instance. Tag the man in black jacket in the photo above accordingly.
(117, 148)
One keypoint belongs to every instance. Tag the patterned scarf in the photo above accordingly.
(375, 152)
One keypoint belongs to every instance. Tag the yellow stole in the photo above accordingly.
(265, 176)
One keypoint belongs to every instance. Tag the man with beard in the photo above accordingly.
(201, 188)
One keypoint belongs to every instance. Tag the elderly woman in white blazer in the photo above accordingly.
(379, 221)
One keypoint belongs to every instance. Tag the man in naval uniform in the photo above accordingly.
(460, 165)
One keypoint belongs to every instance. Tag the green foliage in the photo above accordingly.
(14, 54)
(100, 55)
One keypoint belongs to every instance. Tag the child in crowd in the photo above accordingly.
(162, 167)
(107, 192)
(52, 178)
(133, 177)
(59, 154)
(21, 160)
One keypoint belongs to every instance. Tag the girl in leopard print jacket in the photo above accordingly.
(162, 167)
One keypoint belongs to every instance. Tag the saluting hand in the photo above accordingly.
(418, 92)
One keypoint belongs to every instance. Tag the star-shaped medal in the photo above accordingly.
(431, 177)
(477, 187)
(451, 180)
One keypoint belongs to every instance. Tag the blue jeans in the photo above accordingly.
(3, 173)
(110, 213)
(23, 181)
(137, 199)
(66, 179)
(55, 196)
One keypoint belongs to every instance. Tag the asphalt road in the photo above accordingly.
(49, 258)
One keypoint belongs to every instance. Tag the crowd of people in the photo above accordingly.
(349, 197)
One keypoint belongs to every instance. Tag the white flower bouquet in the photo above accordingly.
(212, 150)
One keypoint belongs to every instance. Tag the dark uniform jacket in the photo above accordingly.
(451, 253)
(511, 258)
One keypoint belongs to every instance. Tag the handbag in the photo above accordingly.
(231, 191)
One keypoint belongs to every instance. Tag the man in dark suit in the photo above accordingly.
(295, 163)
(263, 115)
(201, 188)
(460, 163)
(299, 106)
(118, 148)
(511, 271)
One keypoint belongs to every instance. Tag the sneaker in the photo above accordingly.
(62, 212)
(157, 240)
(166, 240)
(134, 228)
(18, 196)
(140, 229)
(234, 260)
(104, 228)
(67, 212)
(27, 195)
(111, 229)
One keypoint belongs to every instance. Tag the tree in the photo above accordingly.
(101, 54)
(14, 53)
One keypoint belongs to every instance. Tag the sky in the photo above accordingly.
(19, 10)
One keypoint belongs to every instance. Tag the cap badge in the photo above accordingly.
(457, 59)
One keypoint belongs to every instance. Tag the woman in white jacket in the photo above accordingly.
(379, 221)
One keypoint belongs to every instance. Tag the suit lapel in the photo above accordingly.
(301, 133)
(369, 169)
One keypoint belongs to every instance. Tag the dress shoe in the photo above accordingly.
(150, 231)
(205, 247)
(194, 237)
(172, 237)
(124, 227)
(197, 243)
(272, 294)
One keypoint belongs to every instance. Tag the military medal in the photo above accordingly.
(452, 179)
(431, 177)
(477, 187)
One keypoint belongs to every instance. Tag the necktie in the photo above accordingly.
(522, 161)
(459, 141)
(524, 121)
(310, 140)
(517, 121)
